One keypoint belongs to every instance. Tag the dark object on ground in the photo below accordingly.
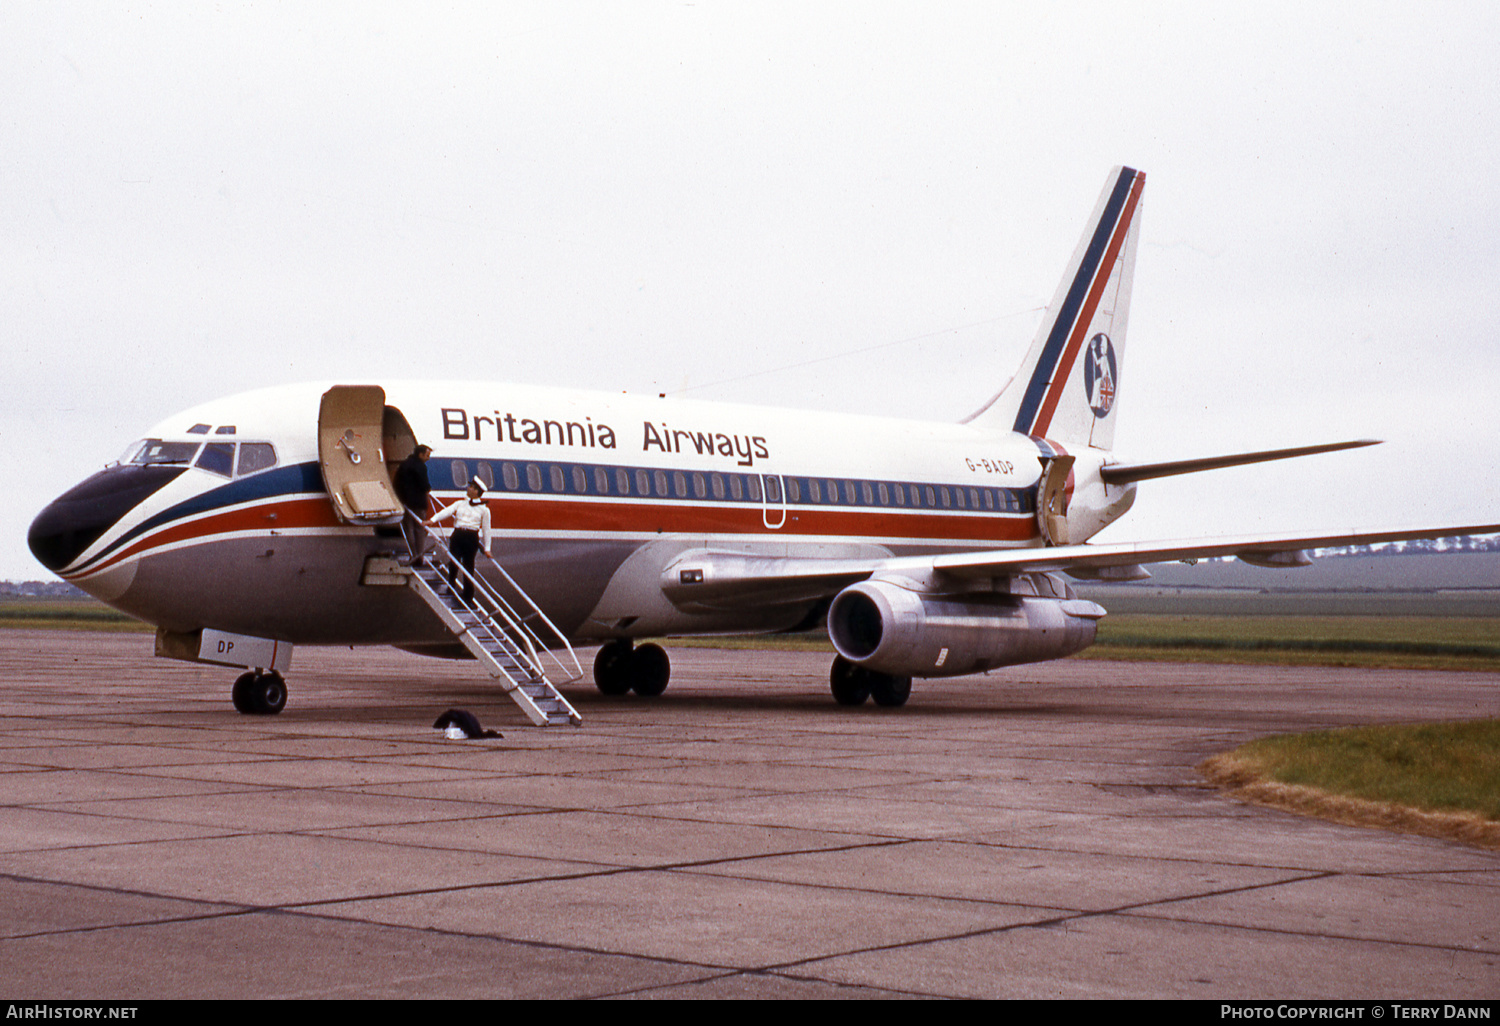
(464, 721)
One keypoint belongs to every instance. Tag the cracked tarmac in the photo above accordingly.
(1038, 832)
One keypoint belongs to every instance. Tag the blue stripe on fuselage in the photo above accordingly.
(299, 479)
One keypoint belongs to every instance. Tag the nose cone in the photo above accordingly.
(77, 518)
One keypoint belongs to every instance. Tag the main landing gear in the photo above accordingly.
(260, 693)
(619, 668)
(853, 684)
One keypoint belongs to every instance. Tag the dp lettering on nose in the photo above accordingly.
(225, 646)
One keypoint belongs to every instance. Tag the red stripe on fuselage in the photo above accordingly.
(819, 521)
(296, 513)
(630, 518)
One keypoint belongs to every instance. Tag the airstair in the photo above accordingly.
(507, 641)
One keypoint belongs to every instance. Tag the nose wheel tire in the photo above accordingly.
(259, 694)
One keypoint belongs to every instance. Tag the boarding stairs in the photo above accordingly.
(507, 640)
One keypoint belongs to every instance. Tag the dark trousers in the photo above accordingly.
(415, 534)
(465, 546)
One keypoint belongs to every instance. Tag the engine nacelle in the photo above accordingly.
(891, 629)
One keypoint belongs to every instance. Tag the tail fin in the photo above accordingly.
(1056, 394)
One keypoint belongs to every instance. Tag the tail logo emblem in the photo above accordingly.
(1099, 375)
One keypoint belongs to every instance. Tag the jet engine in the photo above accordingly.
(890, 629)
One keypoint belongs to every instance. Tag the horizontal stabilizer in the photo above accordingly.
(1124, 473)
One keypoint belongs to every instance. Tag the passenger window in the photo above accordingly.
(900, 494)
(736, 487)
(931, 495)
(793, 489)
(510, 476)
(580, 481)
(255, 457)
(700, 486)
(679, 484)
(643, 483)
(885, 495)
(960, 493)
(558, 480)
(947, 499)
(485, 474)
(814, 490)
(849, 492)
(601, 481)
(867, 492)
(752, 486)
(773, 488)
(217, 458)
(718, 483)
(833, 491)
(458, 471)
(661, 484)
(533, 477)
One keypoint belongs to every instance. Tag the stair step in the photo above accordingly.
(506, 657)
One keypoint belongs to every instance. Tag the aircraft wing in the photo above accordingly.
(709, 579)
(1260, 549)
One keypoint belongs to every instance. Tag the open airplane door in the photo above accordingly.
(1052, 500)
(351, 428)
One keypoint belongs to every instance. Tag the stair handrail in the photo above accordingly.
(520, 630)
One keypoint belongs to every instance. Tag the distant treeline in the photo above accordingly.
(1421, 546)
(40, 589)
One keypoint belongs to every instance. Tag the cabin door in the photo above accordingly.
(352, 424)
(1052, 500)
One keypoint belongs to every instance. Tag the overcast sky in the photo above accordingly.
(854, 206)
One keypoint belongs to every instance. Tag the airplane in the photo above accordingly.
(252, 524)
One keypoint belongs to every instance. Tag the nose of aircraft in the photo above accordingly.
(78, 517)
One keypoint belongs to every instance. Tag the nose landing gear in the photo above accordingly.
(260, 693)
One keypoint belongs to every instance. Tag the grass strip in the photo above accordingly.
(1435, 779)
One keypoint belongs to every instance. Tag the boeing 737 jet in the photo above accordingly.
(252, 524)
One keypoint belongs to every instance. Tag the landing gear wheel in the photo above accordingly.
(888, 690)
(612, 667)
(270, 694)
(850, 683)
(260, 694)
(244, 700)
(650, 669)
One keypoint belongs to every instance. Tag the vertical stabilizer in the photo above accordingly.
(1068, 384)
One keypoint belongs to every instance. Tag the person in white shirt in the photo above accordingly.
(471, 522)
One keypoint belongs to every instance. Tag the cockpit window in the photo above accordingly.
(154, 451)
(255, 457)
(217, 458)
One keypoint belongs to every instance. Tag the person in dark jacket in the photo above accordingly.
(413, 488)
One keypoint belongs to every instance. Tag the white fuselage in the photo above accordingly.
(591, 496)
